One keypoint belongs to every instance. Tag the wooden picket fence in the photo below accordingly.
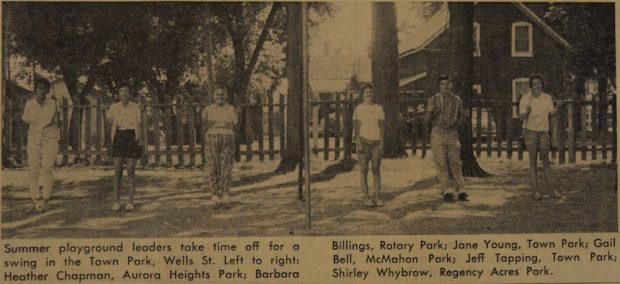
(173, 131)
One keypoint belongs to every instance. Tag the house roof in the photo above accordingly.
(439, 22)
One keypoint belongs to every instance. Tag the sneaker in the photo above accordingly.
(378, 202)
(463, 196)
(116, 206)
(129, 206)
(448, 197)
(39, 206)
(368, 202)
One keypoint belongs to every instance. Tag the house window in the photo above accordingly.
(520, 87)
(476, 39)
(522, 39)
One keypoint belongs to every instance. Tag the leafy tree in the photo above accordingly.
(590, 28)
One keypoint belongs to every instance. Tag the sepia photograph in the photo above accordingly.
(234, 119)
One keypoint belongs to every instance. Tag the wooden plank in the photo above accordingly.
(261, 134)
(584, 131)
(270, 129)
(168, 125)
(9, 128)
(325, 130)
(571, 132)
(65, 133)
(561, 136)
(247, 110)
(614, 130)
(489, 131)
(87, 134)
(499, 129)
(144, 159)
(238, 132)
(509, 131)
(191, 120)
(98, 131)
(20, 128)
(603, 122)
(595, 130)
(348, 126)
(201, 137)
(282, 125)
(156, 134)
(414, 129)
(337, 135)
(478, 129)
(315, 128)
(180, 133)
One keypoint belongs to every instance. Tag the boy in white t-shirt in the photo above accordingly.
(368, 119)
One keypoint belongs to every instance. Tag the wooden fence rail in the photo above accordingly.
(174, 130)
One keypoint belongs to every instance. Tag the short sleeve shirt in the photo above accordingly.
(540, 108)
(218, 117)
(40, 119)
(368, 116)
(446, 110)
(126, 117)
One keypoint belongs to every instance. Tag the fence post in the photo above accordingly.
(509, 131)
(414, 128)
(168, 125)
(261, 134)
(180, 132)
(202, 135)
(479, 128)
(270, 125)
(595, 125)
(326, 130)
(348, 126)
(65, 133)
(282, 125)
(8, 130)
(571, 132)
(561, 136)
(87, 133)
(500, 128)
(144, 160)
(338, 127)
(489, 131)
(156, 134)
(246, 112)
(604, 132)
(584, 130)
(98, 131)
(614, 131)
(191, 120)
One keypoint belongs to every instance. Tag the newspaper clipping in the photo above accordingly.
(312, 142)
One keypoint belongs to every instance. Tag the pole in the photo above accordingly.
(306, 110)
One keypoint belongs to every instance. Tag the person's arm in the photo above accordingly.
(554, 109)
(27, 116)
(356, 129)
(524, 108)
(203, 119)
(138, 124)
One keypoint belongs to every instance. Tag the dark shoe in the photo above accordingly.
(463, 196)
(448, 197)
(217, 206)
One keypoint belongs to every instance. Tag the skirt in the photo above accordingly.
(125, 145)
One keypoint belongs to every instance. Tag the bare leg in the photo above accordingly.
(131, 174)
(376, 174)
(532, 151)
(118, 174)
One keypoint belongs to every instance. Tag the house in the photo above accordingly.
(511, 42)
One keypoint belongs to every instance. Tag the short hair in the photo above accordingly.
(365, 86)
(442, 78)
(536, 76)
(43, 82)
(124, 85)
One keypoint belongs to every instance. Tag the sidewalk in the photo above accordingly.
(173, 203)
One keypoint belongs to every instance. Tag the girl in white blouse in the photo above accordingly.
(220, 119)
(124, 117)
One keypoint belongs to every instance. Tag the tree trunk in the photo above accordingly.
(294, 73)
(461, 67)
(385, 74)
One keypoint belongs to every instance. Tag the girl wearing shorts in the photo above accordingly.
(368, 119)
(124, 117)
